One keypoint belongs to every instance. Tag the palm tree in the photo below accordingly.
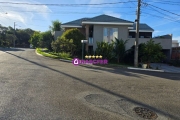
(56, 26)
(120, 49)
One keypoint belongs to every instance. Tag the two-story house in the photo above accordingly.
(106, 28)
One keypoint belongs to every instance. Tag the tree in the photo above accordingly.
(76, 36)
(22, 37)
(10, 39)
(129, 56)
(66, 45)
(105, 49)
(56, 26)
(35, 39)
(152, 53)
(63, 45)
(47, 39)
(55, 46)
(120, 49)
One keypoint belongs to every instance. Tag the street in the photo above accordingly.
(34, 87)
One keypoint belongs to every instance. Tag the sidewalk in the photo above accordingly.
(166, 67)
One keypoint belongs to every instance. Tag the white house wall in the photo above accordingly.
(98, 32)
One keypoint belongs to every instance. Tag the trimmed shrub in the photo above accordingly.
(76, 36)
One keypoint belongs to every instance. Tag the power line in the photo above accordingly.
(65, 4)
(168, 9)
(80, 7)
(162, 9)
(160, 12)
(168, 2)
(178, 21)
(65, 12)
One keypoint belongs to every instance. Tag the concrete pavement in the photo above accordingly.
(38, 88)
(166, 67)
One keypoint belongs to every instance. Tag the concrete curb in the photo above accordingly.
(145, 69)
(96, 66)
(70, 61)
(38, 53)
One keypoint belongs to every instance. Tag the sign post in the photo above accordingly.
(83, 41)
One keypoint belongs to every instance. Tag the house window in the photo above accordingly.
(110, 34)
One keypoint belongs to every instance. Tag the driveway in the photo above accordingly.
(39, 88)
(166, 67)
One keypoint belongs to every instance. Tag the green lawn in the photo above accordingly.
(45, 52)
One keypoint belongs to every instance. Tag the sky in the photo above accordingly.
(163, 16)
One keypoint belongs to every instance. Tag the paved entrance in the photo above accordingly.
(166, 67)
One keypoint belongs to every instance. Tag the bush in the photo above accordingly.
(76, 36)
(120, 49)
(129, 56)
(105, 49)
(63, 45)
(64, 55)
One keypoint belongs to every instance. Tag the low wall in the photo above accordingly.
(165, 43)
(57, 34)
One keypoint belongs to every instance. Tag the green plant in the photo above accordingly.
(36, 39)
(129, 55)
(56, 25)
(152, 52)
(105, 49)
(76, 36)
(119, 49)
(65, 55)
(47, 39)
(63, 45)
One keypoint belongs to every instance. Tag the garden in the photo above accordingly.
(69, 46)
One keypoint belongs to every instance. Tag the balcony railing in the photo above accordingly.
(91, 41)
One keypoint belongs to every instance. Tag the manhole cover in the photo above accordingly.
(145, 113)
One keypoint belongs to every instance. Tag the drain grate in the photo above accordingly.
(145, 113)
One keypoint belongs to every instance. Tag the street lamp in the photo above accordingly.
(14, 32)
(83, 41)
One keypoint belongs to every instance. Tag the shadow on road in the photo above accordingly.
(102, 89)
(138, 73)
(11, 49)
(113, 70)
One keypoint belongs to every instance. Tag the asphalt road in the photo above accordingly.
(33, 87)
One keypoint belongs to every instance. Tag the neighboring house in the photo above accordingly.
(175, 43)
(106, 28)
(175, 50)
(175, 53)
(56, 34)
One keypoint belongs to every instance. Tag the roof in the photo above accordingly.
(100, 18)
(107, 18)
(168, 36)
(75, 22)
(143, 26)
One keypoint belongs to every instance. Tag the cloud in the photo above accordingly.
(111, 13)
(22, 14)
(157, 32)
(99, 8)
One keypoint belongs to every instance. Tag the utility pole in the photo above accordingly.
(137, 35)
(14, 33)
